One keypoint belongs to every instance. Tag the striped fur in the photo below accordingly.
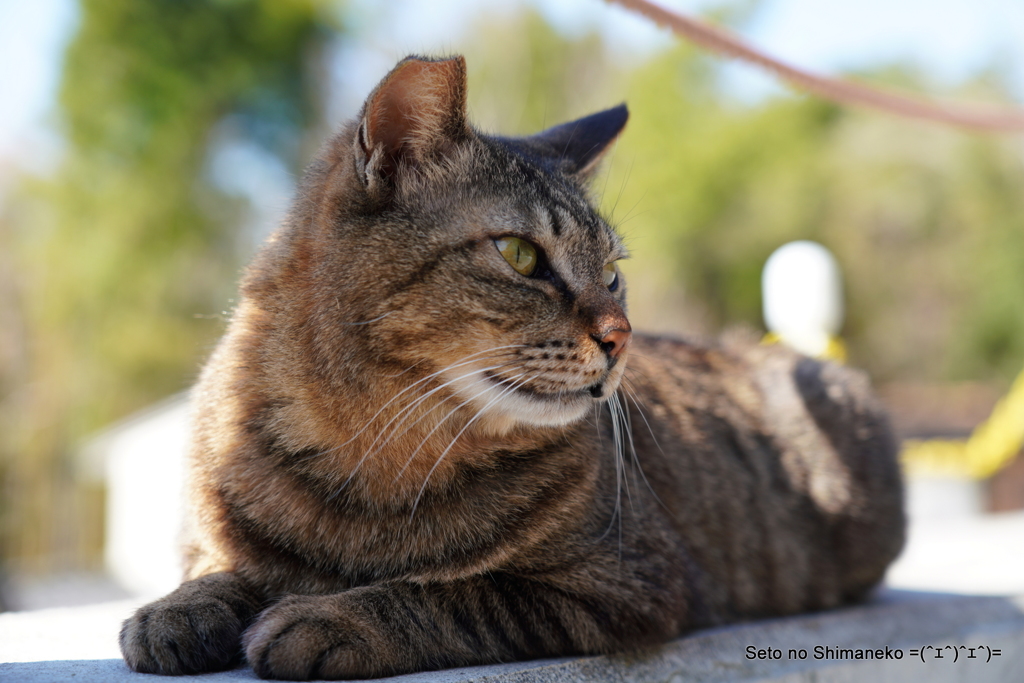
(409, 456)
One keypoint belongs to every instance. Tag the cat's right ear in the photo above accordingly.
(413, 116)
(578, 146)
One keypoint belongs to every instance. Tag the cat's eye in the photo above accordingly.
(610, 276)
(520, 254)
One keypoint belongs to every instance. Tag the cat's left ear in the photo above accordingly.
(578, 146)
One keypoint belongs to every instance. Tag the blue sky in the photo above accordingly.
(32, 35)
(947, 39)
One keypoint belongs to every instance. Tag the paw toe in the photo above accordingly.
(174, 639)
(298, 641)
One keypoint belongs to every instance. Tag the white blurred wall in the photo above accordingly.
(143, 463)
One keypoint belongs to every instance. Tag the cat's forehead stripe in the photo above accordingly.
(565, 221)
(555, 222)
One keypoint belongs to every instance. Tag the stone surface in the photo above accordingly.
(79, 644)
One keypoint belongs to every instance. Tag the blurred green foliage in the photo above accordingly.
(124, 257)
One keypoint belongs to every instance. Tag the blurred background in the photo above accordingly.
(148, 146)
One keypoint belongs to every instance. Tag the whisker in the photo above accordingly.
(627, 216)
(636, 401)
(634, 216)
(367, 322)
(636, 371)
(399, 374)
(616, 412)
(465, 360)
(625, 433)
(480, 412)
(636, 458)
(442, 421)
(596, 415)
(404, 413)
(617, 462)
(622, 187)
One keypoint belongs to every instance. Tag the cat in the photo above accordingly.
(418, 446)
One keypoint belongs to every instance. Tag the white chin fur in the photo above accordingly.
(498, 403)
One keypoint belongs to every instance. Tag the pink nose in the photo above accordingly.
(614, 341)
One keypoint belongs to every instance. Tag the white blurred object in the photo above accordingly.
(937, 499)
(802, 291)
(953, 545)
(979, 554)
(144, 462)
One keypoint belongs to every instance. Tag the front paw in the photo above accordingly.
(195, 629)
(313, 637)
(174, 637)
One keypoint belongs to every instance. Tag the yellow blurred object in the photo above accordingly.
(992, 444)
(834, 351)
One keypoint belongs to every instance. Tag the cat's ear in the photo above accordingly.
(578, 146)
(414, 115)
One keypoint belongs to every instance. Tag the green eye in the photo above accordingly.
(520, 254)
(610, 276)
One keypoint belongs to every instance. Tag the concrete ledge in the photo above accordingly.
(79, 644)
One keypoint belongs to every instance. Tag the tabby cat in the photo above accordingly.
(418, 445)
